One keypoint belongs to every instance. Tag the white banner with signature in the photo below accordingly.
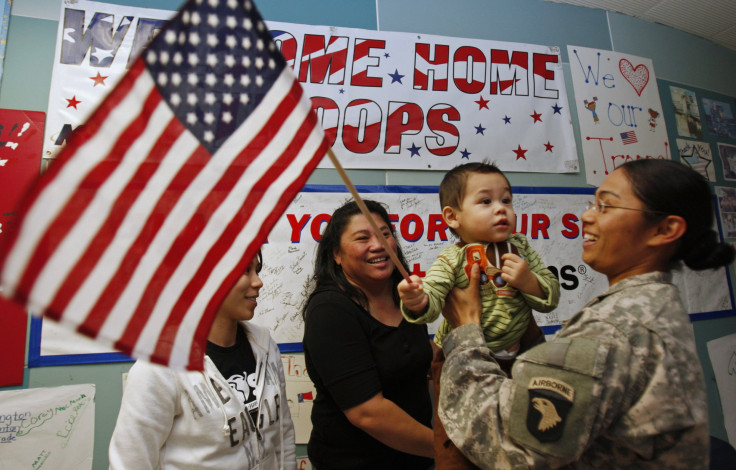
(52, 428)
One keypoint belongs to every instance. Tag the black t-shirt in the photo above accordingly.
(350, 357)
(238, 365)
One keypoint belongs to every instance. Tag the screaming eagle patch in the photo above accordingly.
(550, 401)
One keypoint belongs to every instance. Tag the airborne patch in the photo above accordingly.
(550, 401)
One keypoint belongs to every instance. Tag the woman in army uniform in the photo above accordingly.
(620, 385)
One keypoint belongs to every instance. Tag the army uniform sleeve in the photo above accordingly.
(547, 280)
(438, 282)
(564, 394)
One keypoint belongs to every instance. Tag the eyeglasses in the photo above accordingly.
(601, 207)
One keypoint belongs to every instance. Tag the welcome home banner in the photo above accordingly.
(386, 100)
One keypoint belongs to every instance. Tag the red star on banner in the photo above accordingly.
(482, 103)
(72, 102)
(536, 116)
(520, 153)
(99, 80)
(548, 147)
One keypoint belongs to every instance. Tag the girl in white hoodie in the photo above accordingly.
(202, 420)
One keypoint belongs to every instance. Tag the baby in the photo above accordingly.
(476, 202)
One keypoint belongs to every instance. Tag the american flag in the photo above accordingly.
(629, 137)
(157, 205)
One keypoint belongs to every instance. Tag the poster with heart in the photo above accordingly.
(619, 110)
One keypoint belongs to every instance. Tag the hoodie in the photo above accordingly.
(188, 419)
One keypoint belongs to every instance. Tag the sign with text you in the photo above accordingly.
(619, 110)
(550, 219)
(386, 100)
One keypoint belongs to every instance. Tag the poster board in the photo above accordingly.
(550, 218)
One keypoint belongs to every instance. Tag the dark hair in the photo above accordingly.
(327, 271)
(671, 188)
(452, 187)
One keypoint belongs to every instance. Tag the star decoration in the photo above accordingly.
(396, 76)
(413, 149)
(557, 109)
(465, 154)
(342, 91)
(479, 129)
(482, 103)
(520, 153)
(506, 120)
(536, 116)
(72, 102)
(548, 147)
(387, 55)
(99, 80)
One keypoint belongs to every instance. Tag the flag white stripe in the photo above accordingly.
(130, 228)
(217, 224)
(56, 195)
(58, 267)
(185, 208)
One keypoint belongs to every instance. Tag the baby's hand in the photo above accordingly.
(517, 273)
(412, 294)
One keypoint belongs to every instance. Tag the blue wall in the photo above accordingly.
(677, 57)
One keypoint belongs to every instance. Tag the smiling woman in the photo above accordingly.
(234, 414)
(620, 385)
(369, 366)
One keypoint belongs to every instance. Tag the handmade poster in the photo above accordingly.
(619, 110)
(722, 352)
(21, 134)
(687, 113)
(549, 217)
(727, 205)
(386, 100)
(719, 118)
(47, 428)
(698, 156)
(303, 463)
(300, 393)
(727, 153)
(95, 44)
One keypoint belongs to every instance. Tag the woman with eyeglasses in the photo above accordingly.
(620, 385)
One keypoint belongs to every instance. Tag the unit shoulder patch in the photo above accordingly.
(550, 401)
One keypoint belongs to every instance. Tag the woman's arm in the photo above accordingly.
(386, 422)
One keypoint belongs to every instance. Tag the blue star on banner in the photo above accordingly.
(506, 119)
(479, 129)
(396, 76)
(556, 109)
(413, 149)
(465, 154)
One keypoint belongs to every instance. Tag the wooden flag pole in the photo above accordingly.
(367, 214)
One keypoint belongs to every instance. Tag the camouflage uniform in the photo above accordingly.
(620, 386)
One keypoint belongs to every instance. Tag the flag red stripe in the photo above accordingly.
(223, 243)
(118, 282)
(197, 223)
(67, 217)
(119, 211)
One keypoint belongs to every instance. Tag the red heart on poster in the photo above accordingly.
(637, 76)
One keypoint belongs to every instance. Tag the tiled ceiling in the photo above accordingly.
(710, 19)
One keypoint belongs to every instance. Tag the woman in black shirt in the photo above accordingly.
(369, 366)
